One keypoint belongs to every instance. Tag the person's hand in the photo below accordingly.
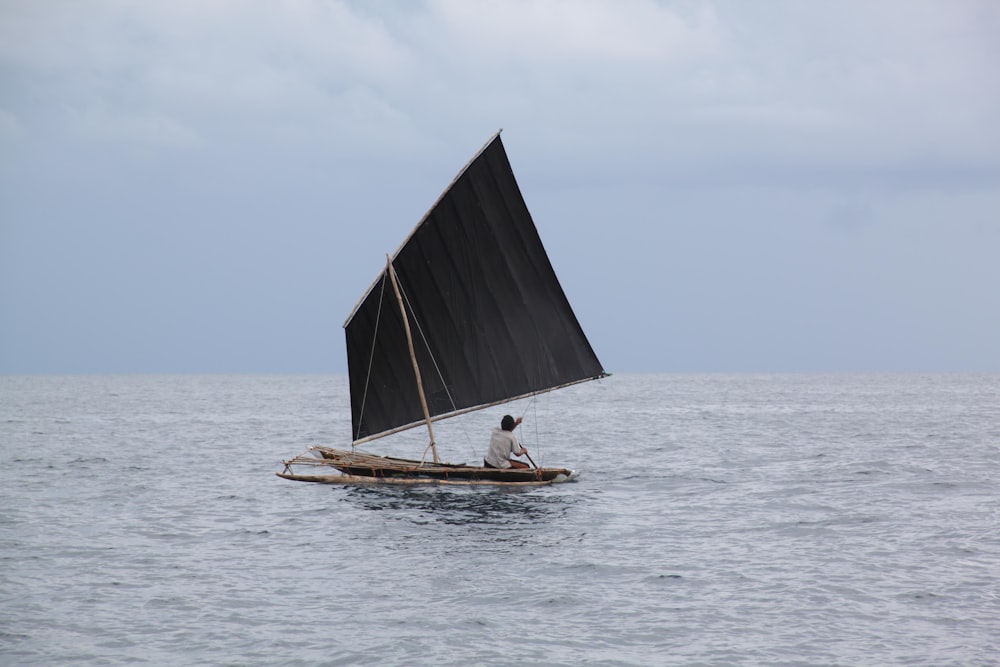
(518, 421)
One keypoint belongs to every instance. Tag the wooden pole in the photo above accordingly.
(531, 459)
(413, 356)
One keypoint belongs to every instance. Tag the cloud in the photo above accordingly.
(10, 126)
(150, 129)
(633, 89)
(576, 33)
(217, 71)
(880, 87)
(739, 150)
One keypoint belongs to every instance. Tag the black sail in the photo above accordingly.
(489, 319)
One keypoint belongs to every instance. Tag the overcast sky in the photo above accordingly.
(193, 186)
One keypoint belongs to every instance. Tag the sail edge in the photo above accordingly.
(423, 219)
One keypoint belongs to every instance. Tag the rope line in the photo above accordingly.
(427, 347)
(371, 359)
(437, 368)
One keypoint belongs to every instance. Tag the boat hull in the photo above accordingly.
(409, 481)
(362, 468)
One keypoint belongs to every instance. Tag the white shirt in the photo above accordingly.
(502, 445)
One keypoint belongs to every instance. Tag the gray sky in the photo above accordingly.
(194, 186)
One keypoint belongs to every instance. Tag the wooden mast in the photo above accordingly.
(413, 356)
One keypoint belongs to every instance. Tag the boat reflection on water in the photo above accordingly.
(463, 506)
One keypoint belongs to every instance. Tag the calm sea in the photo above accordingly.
(716, 520)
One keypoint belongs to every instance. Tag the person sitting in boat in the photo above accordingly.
(503, 443)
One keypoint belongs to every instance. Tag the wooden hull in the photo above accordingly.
(362, 468)
(407, 481)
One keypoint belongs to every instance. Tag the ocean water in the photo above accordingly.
(716, 520)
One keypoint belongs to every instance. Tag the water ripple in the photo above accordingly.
(786, 520)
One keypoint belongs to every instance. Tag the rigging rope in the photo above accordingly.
(534, 421)
(371, 359)
(427, 346)
(437, 369)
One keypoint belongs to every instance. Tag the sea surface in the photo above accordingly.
(715, 520)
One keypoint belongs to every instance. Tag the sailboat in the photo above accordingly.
(467, 314)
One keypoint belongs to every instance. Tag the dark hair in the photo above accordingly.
(507, 423)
